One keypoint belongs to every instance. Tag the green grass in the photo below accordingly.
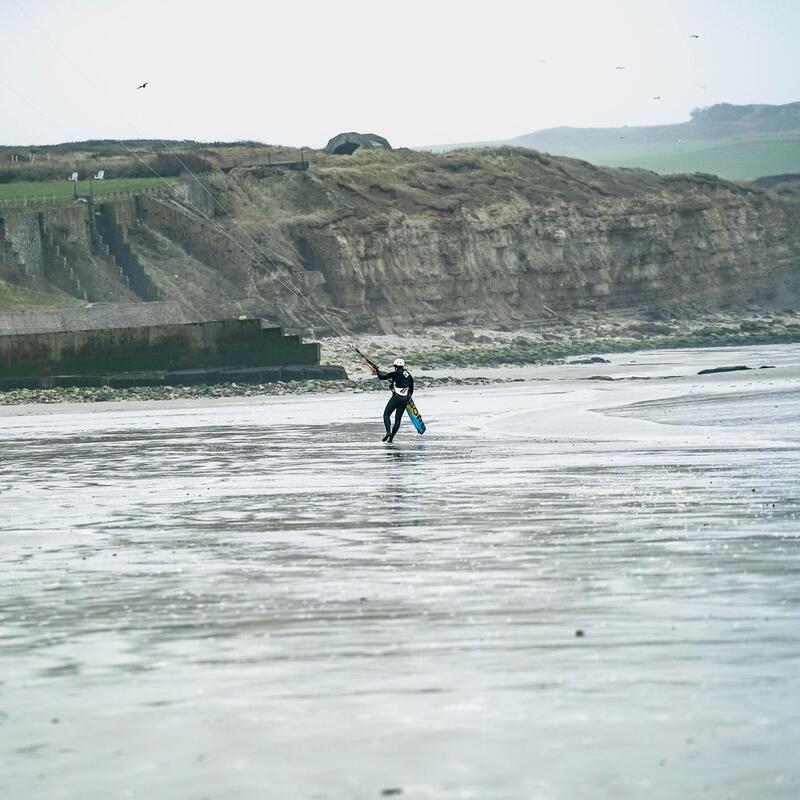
(64, 190)
(20, 298)
(746, 158)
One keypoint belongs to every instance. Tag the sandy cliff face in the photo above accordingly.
(401, 239)
(499, 235)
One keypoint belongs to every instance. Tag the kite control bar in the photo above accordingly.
(371, 364)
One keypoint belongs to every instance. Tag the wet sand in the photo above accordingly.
(257, 598)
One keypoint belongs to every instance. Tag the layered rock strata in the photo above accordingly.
(399, 239)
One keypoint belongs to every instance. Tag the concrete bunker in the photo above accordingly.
(345, 144)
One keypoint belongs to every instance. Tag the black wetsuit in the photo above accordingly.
(402, 385)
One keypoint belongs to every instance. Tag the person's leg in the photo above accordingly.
(387, 417)
(400, 407)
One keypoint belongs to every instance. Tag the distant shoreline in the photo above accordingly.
(460, 348)
(558, 339)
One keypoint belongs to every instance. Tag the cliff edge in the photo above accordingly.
(398, 239)
(495, 234)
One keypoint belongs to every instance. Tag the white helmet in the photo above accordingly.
(398, 362)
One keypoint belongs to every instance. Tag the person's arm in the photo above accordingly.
(371, 364)
(383, 376)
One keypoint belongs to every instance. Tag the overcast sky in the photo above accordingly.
(417, 72)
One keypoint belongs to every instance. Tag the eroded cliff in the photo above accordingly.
(412, 238)
(401, 239)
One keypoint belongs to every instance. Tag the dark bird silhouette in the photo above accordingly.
(657, 97)
(619, 67)
(694, 36)
(143, 86)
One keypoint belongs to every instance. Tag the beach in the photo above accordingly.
(580, 582)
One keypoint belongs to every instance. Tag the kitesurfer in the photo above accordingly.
(402, 385)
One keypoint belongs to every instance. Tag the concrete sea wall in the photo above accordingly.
(106, 315)
(36, 359)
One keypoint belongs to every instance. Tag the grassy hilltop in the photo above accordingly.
(734, 142)
(40, 173)
(44, 169)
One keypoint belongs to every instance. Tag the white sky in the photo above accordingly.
(418, 72)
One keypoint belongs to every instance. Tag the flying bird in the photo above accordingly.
(143, 86)
(619, 67)
(694, 36)
(657, 97)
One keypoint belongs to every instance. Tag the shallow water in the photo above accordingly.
(259, 599)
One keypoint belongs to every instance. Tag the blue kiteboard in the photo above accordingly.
(415, 417)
